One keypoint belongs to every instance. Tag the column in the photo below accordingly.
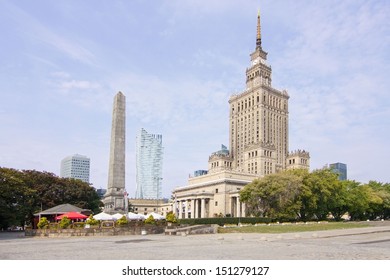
(238, 207)
(243, 209)
(232, 207)
(175, 209)
(193, 208)
(196, 213)
(202, 208)
(180, 207)
(186, 210)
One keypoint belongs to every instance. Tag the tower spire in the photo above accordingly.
(258, 37)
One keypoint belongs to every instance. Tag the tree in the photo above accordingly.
(323, 184)
(363, 201)
(380, 206)
(23, 193)
(274, 196)
(15, 198)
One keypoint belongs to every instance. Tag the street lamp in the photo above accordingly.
(158, 191)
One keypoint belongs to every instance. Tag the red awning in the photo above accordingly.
(72, 216)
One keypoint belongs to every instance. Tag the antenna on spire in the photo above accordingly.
(258, 35)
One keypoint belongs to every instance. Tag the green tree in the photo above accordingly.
(273, 196)
(23, 193)
(15, 198)
(380, 206)
(363, 201)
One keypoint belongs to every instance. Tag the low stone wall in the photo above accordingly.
(125, 230)
(196, 229)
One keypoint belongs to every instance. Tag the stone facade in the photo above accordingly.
(147, 206)
(298, 159)
(211, 195)
(258, 137)
(114, 198)
(259, 120)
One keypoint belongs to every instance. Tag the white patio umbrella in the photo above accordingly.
(133, 216)
(156, 216)
(103, 217)
(117, 216)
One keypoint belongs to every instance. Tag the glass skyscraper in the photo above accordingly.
(76, 167)
(340, 169)
(149, 159)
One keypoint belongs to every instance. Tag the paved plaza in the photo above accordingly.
(371, 243)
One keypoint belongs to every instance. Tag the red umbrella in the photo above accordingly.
(72, 216)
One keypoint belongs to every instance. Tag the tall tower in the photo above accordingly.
(149, 157)
(114, 198)
(259, 119)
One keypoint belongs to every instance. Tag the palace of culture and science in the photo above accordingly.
(258, 138)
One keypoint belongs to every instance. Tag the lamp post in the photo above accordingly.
(158, 192)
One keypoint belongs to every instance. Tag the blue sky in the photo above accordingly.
(177, 62)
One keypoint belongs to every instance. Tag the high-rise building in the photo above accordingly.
(149, 160)
(340, 169)
(258, 137)
(76, 167)
(259, 119)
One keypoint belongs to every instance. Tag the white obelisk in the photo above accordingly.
(114, 198)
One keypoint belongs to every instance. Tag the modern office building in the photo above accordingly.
(76, 167)
(258, 137)
(149, 161)
(340, 169)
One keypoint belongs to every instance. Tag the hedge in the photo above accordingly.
(226, 220)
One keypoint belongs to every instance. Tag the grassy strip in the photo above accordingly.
(284, 228)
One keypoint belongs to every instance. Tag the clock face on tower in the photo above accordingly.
(254, 62)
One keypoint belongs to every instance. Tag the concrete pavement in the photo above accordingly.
(346, 244)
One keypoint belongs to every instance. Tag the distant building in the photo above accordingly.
(147, 206)
(299, 159)
(340, 169)
(101, 192)
(149, 160)
(200, 173)
(76, 167)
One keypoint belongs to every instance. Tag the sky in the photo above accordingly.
(178, 62)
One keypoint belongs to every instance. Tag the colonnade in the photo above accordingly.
(238, 208)
(192, 208)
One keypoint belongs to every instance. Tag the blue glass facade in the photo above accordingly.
(149, 160)
(340, 169)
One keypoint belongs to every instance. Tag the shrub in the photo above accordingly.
(65, 222)
(92, 221)
(122, 221)
(43, 223)
(171, 218)
(150, 220)
(226, 220)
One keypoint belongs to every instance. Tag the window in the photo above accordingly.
(216, 190)
(216, 203)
